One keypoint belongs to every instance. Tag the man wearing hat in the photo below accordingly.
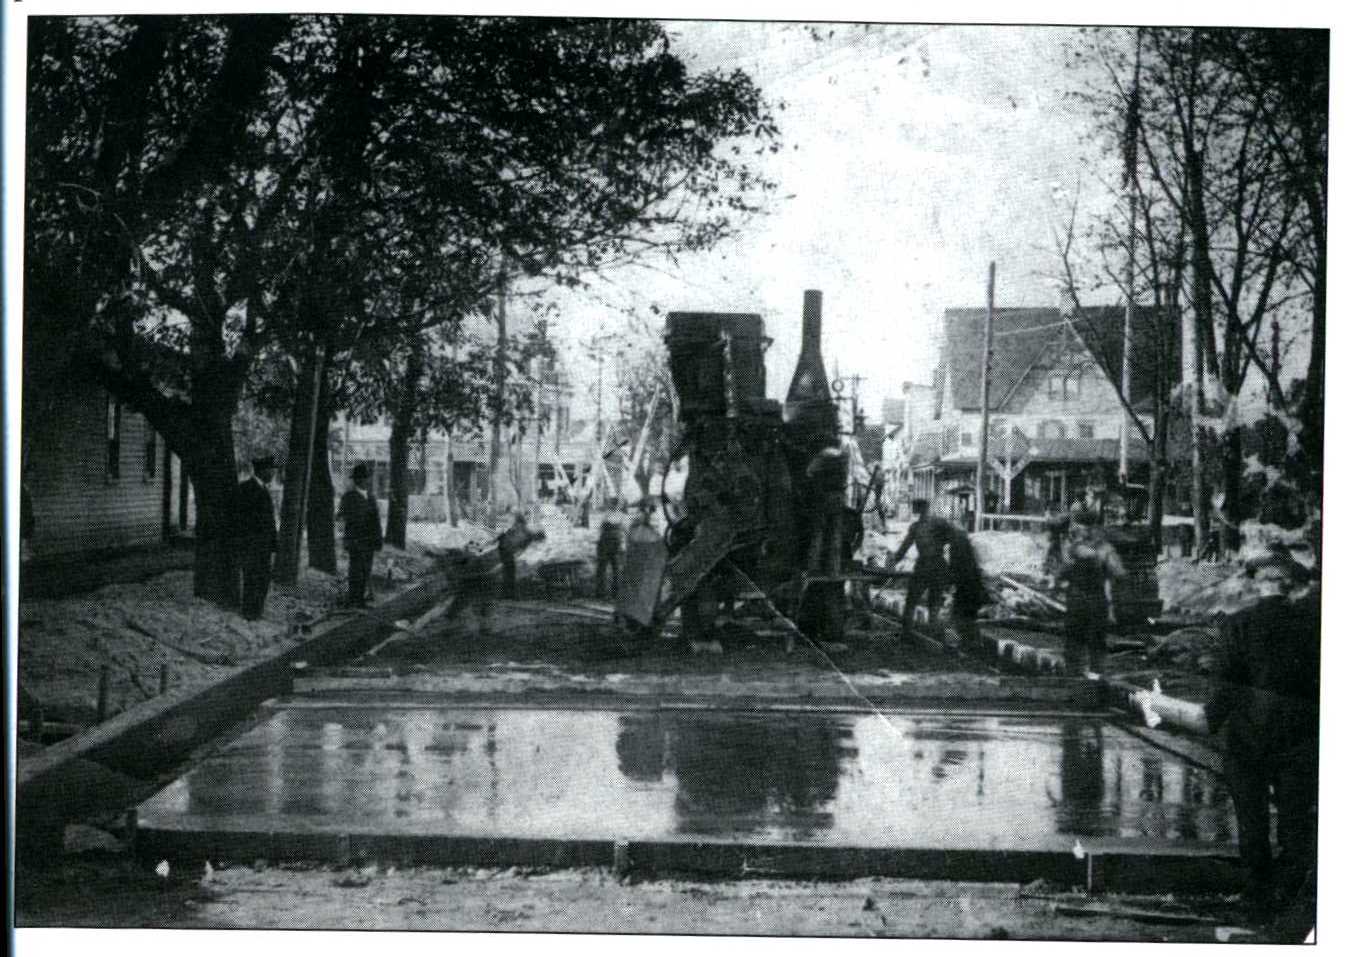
(255, 536)
(362, 535)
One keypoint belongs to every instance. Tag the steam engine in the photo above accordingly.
(764, 506)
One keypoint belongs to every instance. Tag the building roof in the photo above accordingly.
(892, 411)
(1055, 451)
(1101, 330)
(1025, 338)
(1022, 336)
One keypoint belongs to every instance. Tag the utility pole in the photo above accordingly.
(983, 404)
(451, 493)
(499, 390)
(538, 417)
(1131, 181)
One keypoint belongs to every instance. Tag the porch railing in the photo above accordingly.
(1012, 523)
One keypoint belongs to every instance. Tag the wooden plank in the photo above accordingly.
(711, 543)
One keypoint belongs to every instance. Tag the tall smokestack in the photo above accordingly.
(809, 409)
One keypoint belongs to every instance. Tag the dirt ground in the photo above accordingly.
(116, 892)
(154, 630)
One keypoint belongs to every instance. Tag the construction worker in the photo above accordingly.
(608, 547)
(511, 543)
(930, 536)
(969, 595)
(1266, 704)
(1056, 525)
(1089, 570)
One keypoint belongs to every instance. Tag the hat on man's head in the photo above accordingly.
(360, 472)
(263, 462)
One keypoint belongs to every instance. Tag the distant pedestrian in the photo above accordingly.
(511, 543)
(361, 534)
(608, 548)
(930, 535)
(255, 536)
(1090, 568)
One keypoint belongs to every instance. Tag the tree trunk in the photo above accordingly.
(1234, 466)
(319, 515)
(400, 441)
(287, 570)
(204, 439)
(1202, 299)
(451, 493)
(1157, 469)
(1313, 399)
(498, 401)
(215, 481)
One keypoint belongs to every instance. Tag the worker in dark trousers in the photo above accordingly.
(1266, 704)
(255, 536)
(1089, 570)
(511, 543)
(969, 594)
(607, 550)
(361, 534)
(930, 535)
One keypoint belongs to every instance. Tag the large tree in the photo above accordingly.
(199, 187)
(1224, 209)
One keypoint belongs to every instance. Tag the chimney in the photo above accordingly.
(809, 409)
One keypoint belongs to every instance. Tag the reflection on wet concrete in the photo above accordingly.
(860, 780)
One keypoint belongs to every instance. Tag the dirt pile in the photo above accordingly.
(157, 630)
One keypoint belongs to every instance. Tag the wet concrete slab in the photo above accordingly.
(1002, 795)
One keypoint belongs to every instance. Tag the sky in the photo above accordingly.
(913, 157)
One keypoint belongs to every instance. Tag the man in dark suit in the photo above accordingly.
(255, 536)
(1266, 702)
(362, 535)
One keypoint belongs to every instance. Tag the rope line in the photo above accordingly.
(819, 650)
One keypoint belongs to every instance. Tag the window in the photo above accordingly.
(1086, 430)
(1050, 429)
(966, 439)
(1065, 385)
(113, 464)
(151, 451)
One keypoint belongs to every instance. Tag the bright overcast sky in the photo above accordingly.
(899, 183)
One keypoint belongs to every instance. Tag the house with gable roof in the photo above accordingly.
(1055, 414)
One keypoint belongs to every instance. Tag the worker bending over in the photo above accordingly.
(511, 543)
(930, 572)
